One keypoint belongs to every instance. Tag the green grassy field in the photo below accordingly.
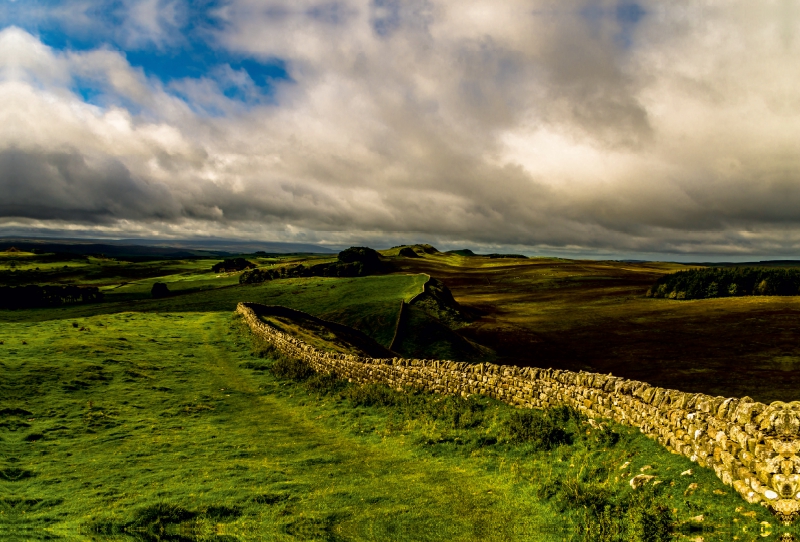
(163, 423)
(152, 419)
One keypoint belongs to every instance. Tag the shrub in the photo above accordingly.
(325, 383)
(605, 437)
(291, 368)
(464, 413)
(543, 429)
(364, 255)
(372, 395)
(638, 516)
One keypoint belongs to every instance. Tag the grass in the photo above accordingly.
(151, 425)
(370, 304)
(141, 419)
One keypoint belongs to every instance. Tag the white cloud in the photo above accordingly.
(528, 123)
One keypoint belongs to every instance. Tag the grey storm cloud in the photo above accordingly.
(587, 126)
(69, 187)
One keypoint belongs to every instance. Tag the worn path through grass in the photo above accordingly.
(139, 410)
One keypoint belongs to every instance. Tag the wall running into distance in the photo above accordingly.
(751, 446)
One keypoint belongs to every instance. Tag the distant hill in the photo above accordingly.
(150, 248)
(407, 250)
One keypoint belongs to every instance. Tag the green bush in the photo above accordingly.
(544, 429)
(607, 515)
(325, 383)
(291, 368)
(605, 437)
(372, 395)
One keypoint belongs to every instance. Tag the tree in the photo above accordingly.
(160, 290)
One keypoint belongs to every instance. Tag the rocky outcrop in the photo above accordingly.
(751, 446)
(437, 300)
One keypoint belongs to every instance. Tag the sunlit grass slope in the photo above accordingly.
(128, 280)
(370, 304)
(138, 420)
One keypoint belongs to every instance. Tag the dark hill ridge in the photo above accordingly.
(428, 324)
(156, 248)
(411, 251)
(352, 262)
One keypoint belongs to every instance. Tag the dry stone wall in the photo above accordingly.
(751, 446)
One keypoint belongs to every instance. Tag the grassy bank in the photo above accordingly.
(370, 304)
(166, 425)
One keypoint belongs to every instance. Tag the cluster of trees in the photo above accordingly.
(34, 296)
(233, 264)
(353, 262)
(727, 282)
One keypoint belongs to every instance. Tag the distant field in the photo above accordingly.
(594, 316)
(149, 419)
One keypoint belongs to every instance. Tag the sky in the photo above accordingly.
(592, 128)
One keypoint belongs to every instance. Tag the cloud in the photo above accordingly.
(586, 126)
(68, 186)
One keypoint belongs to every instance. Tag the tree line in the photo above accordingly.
(231, 265)
(34, 296)
(727, 282)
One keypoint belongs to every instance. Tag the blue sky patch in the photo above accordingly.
(385, 17)
(187, 51)
(626, 15)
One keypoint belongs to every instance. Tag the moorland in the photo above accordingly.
(142, 418)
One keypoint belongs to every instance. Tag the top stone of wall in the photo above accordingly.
(751, 446)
